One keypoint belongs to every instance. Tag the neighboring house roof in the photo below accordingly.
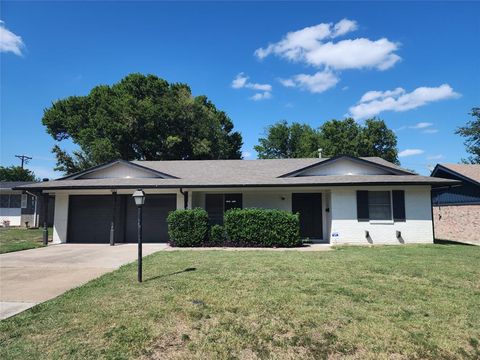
(243, 173)
(469, 172)
(10, 185)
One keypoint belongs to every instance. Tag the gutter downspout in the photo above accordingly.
(185, 198)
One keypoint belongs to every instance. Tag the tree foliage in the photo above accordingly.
(471, 131)
(142, 117)
(16, 173)
(288, 141)
(334, 137)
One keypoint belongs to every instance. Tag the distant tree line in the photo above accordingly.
(334, 137)
(16, 173)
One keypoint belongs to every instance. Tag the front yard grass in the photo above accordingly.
(395, 302)
(15, 239)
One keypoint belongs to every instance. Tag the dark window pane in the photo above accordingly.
(214, 207)
(233, 201)
(15, 201)
(379, 205)
(4, 200)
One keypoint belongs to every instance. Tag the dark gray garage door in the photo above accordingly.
(90, 218)
(155, 213)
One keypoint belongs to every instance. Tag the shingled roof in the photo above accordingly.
(469, 171)
(242, 173)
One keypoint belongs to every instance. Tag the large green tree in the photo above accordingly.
(288, 141)
(471, 131)
(334, 137)
(16, 173)
(142, 117)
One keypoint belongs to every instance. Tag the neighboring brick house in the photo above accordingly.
(456, 209)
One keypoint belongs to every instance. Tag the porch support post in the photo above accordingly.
(185, 200)
(45, 219)
(112, 225)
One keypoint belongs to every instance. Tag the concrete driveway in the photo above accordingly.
(32, 276)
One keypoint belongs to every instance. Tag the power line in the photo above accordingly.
(24, 159)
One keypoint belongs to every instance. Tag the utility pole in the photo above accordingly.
(24, 159)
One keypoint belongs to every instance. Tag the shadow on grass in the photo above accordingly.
(174, 273)
(450, 242)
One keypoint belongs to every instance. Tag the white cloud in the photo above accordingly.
(9, 42)
(421, 125)
(372, 95)
(316, 83)
(410, 152)
(314, 46)
(287, 82)
(435, 157)
(262, 87)
(261, 96)
(241, 81)
(344, 26)
(374, 102)
(246, 154)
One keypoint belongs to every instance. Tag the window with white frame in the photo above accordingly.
(380, 205)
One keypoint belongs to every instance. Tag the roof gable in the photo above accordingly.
(347, 165)
(119, 169)
(465, 172)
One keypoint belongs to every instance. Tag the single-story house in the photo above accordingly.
(21, 208)
(341, 200)
(456, 209)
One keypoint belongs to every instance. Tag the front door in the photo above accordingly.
(309, 206)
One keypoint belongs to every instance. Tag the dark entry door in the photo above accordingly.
(89, 218)
(155, 212)
(309, 206)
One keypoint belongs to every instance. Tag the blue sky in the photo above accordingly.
(415, 65)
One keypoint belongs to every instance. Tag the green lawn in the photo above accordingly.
(15, 239)
(396, 302)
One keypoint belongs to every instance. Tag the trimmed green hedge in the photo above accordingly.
(242, 228)
(218, 236)
(188, 228)
(262, 228)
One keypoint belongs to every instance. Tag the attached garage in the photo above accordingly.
(90, 218)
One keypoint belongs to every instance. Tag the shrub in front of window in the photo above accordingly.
(188, 228)
(262, 228)
(217, 236)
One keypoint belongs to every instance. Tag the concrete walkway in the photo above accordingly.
(32, 276)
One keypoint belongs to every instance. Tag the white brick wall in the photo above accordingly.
(60, 219)
(416, 229)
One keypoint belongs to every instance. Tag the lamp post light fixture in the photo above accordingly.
(139, 197)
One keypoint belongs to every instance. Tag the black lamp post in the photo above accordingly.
(139, 197)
